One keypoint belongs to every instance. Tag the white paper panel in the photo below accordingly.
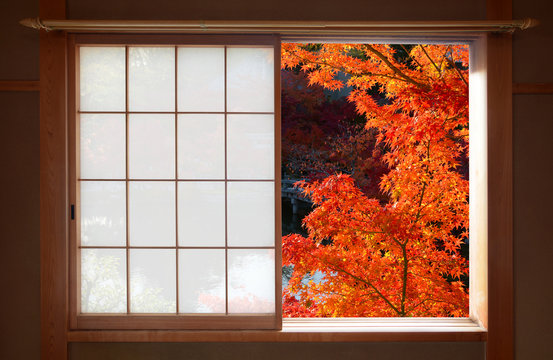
(152, 215)
(251, 213)
(202, 281)
(102, 143)
(152, 79)
(201, 213)
(151, 146)
(103, 213)
(251, 281)
(103, 281)
(250, 147)
(201, 79)
(102, 78)
(250, 79)
(153, 280)
(201, 146)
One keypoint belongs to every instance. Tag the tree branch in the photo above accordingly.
(452, 64)
(382, 296)
(405, 272)
(432, 61)
(394, 68)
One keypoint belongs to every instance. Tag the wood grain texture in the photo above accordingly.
(53, 196)
(500, 188)
(175, 322)
(19, 85)
(280, 350)
(365, 28)
(533, 88)
(274, 336)
(500, 199)
(53, 187)
(499, 9)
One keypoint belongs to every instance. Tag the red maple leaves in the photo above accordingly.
(401, 257)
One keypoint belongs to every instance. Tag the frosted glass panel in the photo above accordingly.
(201, 79)
(152, 79)
(251, 214)
(251, 281)
(153, 281)
(103, 281)
(151, 146)
(152, 213)
(102, 146)
(202, 281)
(250, 147)
(201, 146)
(201, 213)
(102, 78)
(250, 79)
(103, 219)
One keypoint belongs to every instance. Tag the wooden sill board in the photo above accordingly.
(300, 330)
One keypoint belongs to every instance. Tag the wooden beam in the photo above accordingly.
(500, 199)
(500, 188)
(53, 197)
(53, 187)
(533, 88)
(19, 85)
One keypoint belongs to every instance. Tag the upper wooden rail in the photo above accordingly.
(19, 85)
(533, 88)
(283, 27)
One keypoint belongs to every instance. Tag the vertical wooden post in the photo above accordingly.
(500, 188)
(53, 186)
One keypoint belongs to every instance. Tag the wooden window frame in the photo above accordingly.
(493, 323)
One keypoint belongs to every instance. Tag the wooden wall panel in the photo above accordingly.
(533, 169)
(278, 351)
(19, 60)
(277, 10)
(19, 219)
(532, 50)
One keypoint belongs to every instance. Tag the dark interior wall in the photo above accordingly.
(532, 48)
(19, 227)
(277, 9)
(533, 169)
(19, 57)
(278, 351)
(19, 188)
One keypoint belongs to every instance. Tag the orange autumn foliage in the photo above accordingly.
(399, 257)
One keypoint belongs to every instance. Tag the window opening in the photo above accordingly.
(201, 136)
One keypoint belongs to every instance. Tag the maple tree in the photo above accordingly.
(399, 257)
(323, 135)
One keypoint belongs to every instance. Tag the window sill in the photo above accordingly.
(307, 330)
